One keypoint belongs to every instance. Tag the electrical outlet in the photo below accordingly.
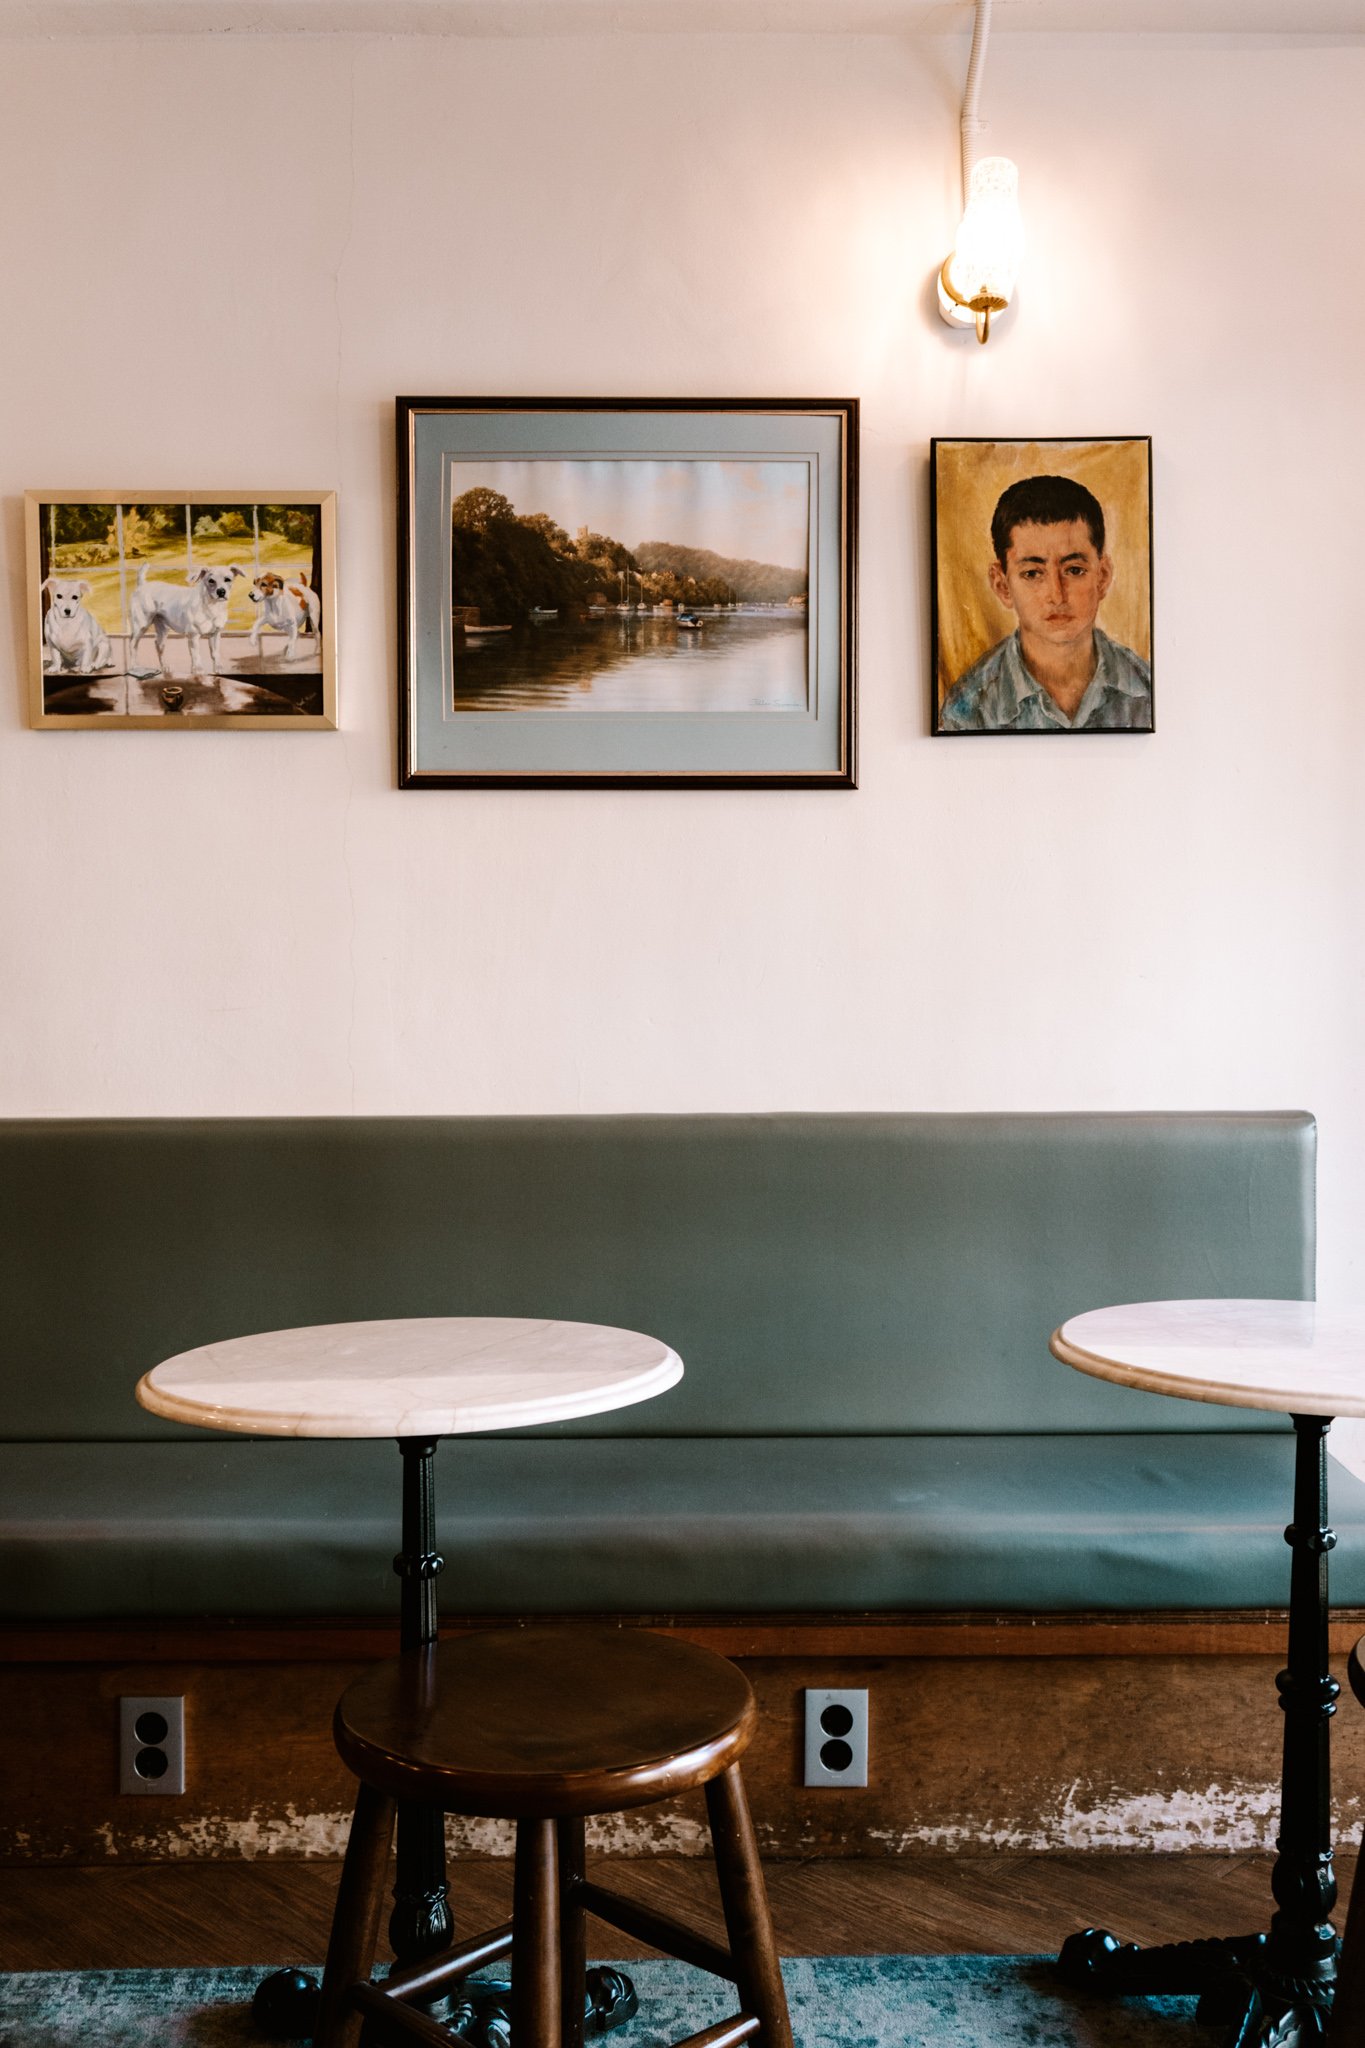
(151, 1745)
(836, 1737)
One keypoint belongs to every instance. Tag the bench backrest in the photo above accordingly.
(818, 1274)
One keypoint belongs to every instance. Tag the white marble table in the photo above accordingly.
(425, 1376)
(1306, 1361)
(416, 1379)
(1295, 1356)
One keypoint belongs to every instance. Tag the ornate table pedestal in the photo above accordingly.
(1271, 1990)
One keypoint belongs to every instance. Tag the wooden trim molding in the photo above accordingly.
(1239, 1633)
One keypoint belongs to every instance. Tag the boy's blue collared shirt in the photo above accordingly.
(997, 694)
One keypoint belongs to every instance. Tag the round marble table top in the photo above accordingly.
(1296, 1356)
(420, 1376)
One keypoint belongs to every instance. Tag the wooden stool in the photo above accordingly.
(1346, 2027)
(545, 1726)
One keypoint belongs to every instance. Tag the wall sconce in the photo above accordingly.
(977, 279)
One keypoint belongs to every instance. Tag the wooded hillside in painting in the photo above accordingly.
(752, 582)
(507, 564)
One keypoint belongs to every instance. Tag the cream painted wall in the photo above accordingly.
(223, 256)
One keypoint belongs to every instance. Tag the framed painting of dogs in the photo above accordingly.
(162, 609)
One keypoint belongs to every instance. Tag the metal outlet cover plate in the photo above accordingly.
(151, 1745)
(836, 1737)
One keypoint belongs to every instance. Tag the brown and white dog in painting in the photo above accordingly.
(284, 604)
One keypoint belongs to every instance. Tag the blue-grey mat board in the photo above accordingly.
(774, 743)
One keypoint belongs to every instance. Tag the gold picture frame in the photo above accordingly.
(197, 610)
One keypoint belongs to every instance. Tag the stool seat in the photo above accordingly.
(546, 1721)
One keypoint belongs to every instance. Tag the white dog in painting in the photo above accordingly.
(285, 604)
(198, 608)
(72, 635)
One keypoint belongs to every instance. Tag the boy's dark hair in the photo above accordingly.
(1045, 501)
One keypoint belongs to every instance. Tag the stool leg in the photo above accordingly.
(355, 1920)
(573, 1933)
(744, 1897)
(535, 1946)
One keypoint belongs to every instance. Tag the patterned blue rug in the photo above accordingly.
(836, 2002)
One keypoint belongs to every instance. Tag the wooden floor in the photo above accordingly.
(273, 1912)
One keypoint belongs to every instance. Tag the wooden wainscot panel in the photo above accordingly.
(997, 1733)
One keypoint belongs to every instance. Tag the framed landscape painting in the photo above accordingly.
(653, 592)
(174, 609)
(1042, 586)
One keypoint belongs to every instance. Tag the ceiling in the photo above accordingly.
(562, 17)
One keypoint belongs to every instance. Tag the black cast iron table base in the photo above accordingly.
(1235, 1981)
(285, 2005)
(1268, 1990)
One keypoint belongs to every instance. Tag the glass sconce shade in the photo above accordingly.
(979, 277)
(990, 241)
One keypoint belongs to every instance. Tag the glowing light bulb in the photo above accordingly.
(978, 279)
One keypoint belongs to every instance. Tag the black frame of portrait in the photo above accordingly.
(936, 729)
(414, 683)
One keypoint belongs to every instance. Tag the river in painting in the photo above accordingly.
(745, 660)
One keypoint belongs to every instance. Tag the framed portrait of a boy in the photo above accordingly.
(1042, 586)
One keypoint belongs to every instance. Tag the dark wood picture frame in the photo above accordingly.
(792, 746)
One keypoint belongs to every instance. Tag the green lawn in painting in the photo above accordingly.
(166, 558)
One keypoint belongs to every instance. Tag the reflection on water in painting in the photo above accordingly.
(752, 660)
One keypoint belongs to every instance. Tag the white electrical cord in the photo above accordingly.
(972, 124)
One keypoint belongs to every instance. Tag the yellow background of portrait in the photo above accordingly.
(970, 475)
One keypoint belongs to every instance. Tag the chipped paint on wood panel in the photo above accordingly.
(323, 1835)
(1227, 1819)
